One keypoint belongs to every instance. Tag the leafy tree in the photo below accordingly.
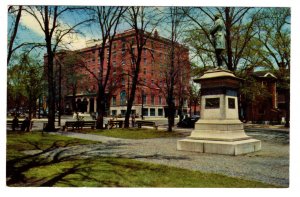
(175, 70)
(108, 19)
(25, 80)
(274, 36)
(239, 24)
(139, 20)
(48, 18)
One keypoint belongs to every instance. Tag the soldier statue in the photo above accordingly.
(218, 34)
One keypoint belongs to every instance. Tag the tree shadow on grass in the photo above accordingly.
(80, 169)
(78, 158)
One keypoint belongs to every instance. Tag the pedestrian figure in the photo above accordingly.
(15, 123)
(25, 125)
(132, 120)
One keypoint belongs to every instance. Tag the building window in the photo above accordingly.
(123, 112)
(113, 112)
(145, 99)
(152, 63)
(123, 81)
(114, 63)
(159, 100)
(114, 101)
(152, 111)
(145, 112)
(152, 82)
(152, 72)
(123, 98)
(145, 61)
(145, 71)
(152, 99)
(160, 112)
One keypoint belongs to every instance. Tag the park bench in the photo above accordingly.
(10, 122)
(115, 123)
(79, 124)
(141, 123)
(89, 123)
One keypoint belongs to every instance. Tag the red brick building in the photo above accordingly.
(264, 109)
(150, 94)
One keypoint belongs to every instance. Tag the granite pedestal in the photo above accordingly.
(219, 129)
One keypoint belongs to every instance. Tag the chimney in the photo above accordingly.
(155, 33)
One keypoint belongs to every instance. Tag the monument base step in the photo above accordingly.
(220, 147)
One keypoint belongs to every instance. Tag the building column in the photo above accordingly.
(95, 104)
(88, 105)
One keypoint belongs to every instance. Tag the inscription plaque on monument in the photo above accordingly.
(212, 103)
(231, 103)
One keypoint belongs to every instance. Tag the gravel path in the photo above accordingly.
(270, 165)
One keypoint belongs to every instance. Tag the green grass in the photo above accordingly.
(76, 171)
(133, 133)
(118, 172)
(22, 141)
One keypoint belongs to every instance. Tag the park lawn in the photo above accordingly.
(19, 141)
(120, 172)
(133, 133)
(76, 171)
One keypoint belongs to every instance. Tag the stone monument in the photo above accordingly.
(219, 129)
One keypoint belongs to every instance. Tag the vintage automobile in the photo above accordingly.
(188, 122)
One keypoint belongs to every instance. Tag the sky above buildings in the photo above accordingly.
(30, 30)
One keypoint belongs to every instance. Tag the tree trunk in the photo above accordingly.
(287, 108)
(51, 91)
(132, 93)
(228, 39)
(51, 87)
(14, 34)
(171, 116)
(100, 107)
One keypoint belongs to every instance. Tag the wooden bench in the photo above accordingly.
(115, 123)
(89, 123)
(9, 123)
(79, 124)
(141, 123)
(73, 124)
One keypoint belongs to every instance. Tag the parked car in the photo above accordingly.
(188, 122)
